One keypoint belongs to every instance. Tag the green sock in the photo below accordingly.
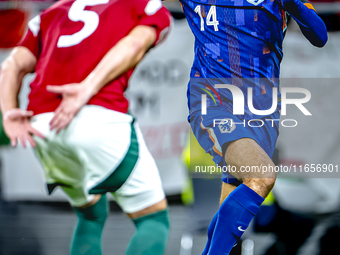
(151, 234)
(87, 237)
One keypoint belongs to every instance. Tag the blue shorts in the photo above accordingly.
(219, 127)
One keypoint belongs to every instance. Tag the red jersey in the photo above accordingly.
(71, 37)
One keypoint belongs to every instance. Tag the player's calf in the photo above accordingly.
(152, 230)
(87, 237)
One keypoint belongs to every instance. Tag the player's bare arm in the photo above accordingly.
(126, 54)
(16, 121)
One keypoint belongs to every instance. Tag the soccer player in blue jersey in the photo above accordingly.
(239, 43)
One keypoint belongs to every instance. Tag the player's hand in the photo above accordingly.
(75, 96)
(17, 126)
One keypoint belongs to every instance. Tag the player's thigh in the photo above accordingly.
(249, 160)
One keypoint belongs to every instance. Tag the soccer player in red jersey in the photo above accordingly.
(83, 53)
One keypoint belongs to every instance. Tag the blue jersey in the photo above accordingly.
(239, 42)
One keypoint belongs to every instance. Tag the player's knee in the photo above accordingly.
(159, 221)
(262, 186)
(268, 183)
(268, 179)
(95, 212)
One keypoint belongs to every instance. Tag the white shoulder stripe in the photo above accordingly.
(34, 25)
(152, 7)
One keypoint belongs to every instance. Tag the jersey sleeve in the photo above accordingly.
(31, 40)
(311, 25)
(308, 4)
(152, 13)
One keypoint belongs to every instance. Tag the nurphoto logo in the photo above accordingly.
(228, 125)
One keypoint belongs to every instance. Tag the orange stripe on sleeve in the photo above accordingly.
(309, 6)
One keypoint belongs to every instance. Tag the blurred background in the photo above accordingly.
(301, 216)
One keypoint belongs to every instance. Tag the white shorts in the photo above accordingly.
(100, 151)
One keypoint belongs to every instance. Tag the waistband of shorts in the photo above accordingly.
(94, 112)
